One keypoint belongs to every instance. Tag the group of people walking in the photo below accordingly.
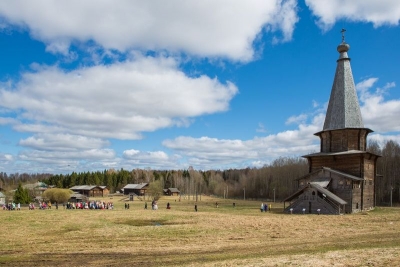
(265, 207)
(12, 206)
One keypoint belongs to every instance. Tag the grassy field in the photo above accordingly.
(223, 236)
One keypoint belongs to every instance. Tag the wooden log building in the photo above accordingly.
(342, 175)
(91, 190)
(137, 189)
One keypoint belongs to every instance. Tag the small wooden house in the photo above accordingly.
(138, 189)
(91, 190)
(342, 175)
(172, 191)
(76, 197)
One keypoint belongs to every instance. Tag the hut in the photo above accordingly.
(76, 197)
(138, 189)
(172, 191)
(91, 190)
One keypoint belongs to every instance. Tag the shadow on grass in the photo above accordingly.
(145, 222)
(149, 258)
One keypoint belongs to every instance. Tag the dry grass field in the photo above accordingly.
(224, 236)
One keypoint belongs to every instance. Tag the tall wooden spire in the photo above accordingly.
(343, 128)
(343, 109)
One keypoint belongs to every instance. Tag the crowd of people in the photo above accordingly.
(93, 205)
(69, 205)
(265, 207)
(12, 206)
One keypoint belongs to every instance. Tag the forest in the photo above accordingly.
(272, 181)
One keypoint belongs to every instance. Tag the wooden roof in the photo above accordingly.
(135, 186)
(320, 189)
(343, 174)
(86, 187)
(343, 108)
(174, 190)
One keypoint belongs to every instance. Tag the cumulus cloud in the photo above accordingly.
(62, 142)
(48, 157)
(378, 114)
(296, 119)
(205, 28)
(154, 159)
(119, 101)
(376, 12)
(205, 151)
(285, 19)
(6, 157)
(381, 139)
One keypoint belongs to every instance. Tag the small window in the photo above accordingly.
(341, 182)
(348, 182)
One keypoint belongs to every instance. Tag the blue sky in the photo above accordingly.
(89, 85)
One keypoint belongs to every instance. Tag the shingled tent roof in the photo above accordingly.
(343, 108)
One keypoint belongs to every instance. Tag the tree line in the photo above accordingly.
(275, 180)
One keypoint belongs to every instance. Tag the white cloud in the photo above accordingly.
(153, 159)
(119, 101)
(363, 87)
(6, 157)
(261, 128)
(378, 114)
(381, 139)
(296, 119)
(206, 152)
(205, 28)
(49, 157)
(285, 20)
(62, 142)
(376, 12)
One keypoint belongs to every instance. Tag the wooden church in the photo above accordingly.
(342, 175)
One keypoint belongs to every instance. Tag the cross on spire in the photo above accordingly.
(343, 31)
